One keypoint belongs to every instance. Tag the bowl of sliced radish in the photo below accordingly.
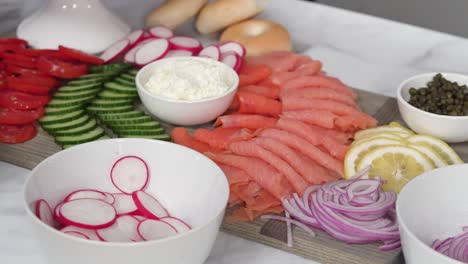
(126, 201)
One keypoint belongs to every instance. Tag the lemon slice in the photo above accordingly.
(393, 128)
(438, 160)
(357, 150)
(390, 135)
(439, 146)
(396, 164)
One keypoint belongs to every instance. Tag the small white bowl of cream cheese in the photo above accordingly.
(187, 90)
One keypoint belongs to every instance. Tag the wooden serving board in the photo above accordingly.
(322, 248)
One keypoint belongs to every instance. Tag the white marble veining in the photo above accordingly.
(366, 52)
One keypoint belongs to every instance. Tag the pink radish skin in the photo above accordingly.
(186, 43)
(178, 53)
(232, 60)
(178, 224)
(154, 229)
(90, 233)
(124, 204)
(151, 51)
(212, 52)
(88, 213)
(135, 37)
(130, 174)
(57, 215)
(232, 46)
(44, 212)
(130, 55)
(139, 217)
(123, 230)
(109, 198)
(89, 194)
(160, 32)
(76, 234)
(149, 206)
(115, 50)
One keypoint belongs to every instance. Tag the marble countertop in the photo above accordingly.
(364, 51)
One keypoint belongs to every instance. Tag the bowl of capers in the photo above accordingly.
(436, 104)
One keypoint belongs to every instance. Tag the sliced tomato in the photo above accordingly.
(18, 60)
(11, 47)
(80, 56)
(2, 66)
(46, 81)
(44, 52)
(19, 117)
(13, 41)
(13, 69)
(60, 68)
(18, 85)
(12, 134)
(22, 101)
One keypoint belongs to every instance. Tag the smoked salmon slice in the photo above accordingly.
(281, 78)
(263, 201)
(309, 68)
(182, 137)
(325, 119)
(340, 136)
(247, 192)
(253, 73)
(282, 61)
(220, 137)
(245, 121)
(250, 103)
(317, 81)
(322, 158)
(234, 175)
(323, 93)
(258, 170)
(249, 148)
(272, 92)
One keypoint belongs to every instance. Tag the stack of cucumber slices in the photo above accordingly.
(97, 105)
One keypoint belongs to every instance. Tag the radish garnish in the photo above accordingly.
(161, 32)
(57, 215)
(178, 224)
(233, 60)
(89, 233)
(154, 229)
(124, 204)
(186, 43)
(130, 174)
(44, 212)
(130, 55)
(76, 234)
(148, 205)
(140, 217)
(115, 50)
(232, 46)
(136, 36)
(151, 51)
(109, 198)
(90, 194)
(123, 230)
(212, 52)
(178, 53)
(88, 213)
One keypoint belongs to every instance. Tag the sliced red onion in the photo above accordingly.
(295, 212)
(289, 230)
(306, 195)
(362, 188)
(391, 245)
(292, 221)
(361, 174)
(465, 229)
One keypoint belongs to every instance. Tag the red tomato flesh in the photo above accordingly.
(22, 101)
(12, 134)
(19, 117)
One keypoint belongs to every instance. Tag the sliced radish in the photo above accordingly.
(149, 206)
(123, 230)
(212, 52)
(233, 60)
(186, 43)
(234, 47)
(154, 229)
(115, 50)
(178, 224)
(140, 217)
(76, 234)
(130, 174)
(151, 51)
(178, 53)
(160, 32)
(90, 194)
(88, 213)
(130, 55)
(124, 204)
(57, 215)
(44, 212)
(136, 36)
(90, 233)
(109, 198)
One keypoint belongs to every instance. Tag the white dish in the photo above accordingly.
(180, 112)
(196, 192)
(451, 129)
(432, 206)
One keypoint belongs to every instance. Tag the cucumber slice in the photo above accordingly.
(95, 81)
(114, 67)
(123, 115)
(126, 82)
(65, 146)
(61, 111)
(78, 122)
(142, 126)
(86, 127)
(76, 95)
(94, 134)
(128, 121)
(61, 103)
(111, 95)
(107, 103)
(149, 132)
(79, 88)
(52, 119)
(99, 75)
(133, 72)
(128, 77)
(164, 137)
(119, 88)
(109, 110)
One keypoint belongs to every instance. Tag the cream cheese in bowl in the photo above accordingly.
(189, 80)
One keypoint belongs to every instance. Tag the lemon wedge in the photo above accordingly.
(364, 145)
(390, 135)
(439, 146)
(392, 128)
(396, 164)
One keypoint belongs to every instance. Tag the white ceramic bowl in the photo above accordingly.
(451, 129)
(432, 206)
(180, 112)
(197, 192)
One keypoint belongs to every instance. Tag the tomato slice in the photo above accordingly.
(13, 69)
(27, 87)
(19, 117)
(19, 60)
(13, 41)
(80, 56)
(60, 68)
(46, 81)
(11, 47)
(22, 101)
(12, 134)
(44, 52)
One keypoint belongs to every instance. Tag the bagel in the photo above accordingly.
(218, 15)
(173, 13)
(258, 36)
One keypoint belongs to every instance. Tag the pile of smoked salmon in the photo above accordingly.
(289, 127)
